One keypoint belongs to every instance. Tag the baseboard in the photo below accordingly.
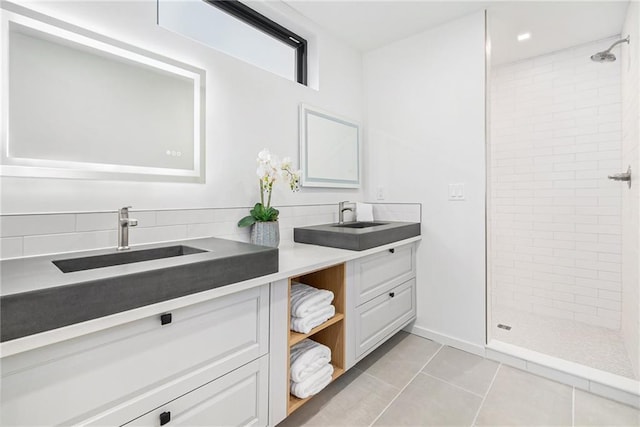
(446, 340)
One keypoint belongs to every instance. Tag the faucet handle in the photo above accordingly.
(132, 222)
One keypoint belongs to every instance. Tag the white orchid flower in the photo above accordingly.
(270, 169)
(286, 163)
(264, 156)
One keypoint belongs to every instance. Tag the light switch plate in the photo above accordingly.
(456, 192)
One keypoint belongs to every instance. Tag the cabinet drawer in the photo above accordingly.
(380, 272)
(237, 399)
(98, 378)
(382, 315)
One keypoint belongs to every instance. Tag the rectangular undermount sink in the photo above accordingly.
(99, 261)
(356, 236)
(360, 224)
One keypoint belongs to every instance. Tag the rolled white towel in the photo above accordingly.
(313, 384)
(305, 299)
(304, 325)
(307, 357)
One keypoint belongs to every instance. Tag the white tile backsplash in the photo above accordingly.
(55, 233)
(27, 225)
(11, 247)
(555, 218)
(69, 242)
(141, 236)
(96, 221)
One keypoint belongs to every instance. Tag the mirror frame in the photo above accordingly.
(14, 15)
(306, 140)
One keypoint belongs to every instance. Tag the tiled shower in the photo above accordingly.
(555, 220)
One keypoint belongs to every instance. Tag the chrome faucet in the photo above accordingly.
(124, 222)
(342, 209)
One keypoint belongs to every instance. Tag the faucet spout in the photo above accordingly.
(341, 211)
(124, 222)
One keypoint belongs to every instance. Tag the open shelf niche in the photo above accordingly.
(332, 332)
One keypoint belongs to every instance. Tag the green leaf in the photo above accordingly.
(246, 221)
(259, 214)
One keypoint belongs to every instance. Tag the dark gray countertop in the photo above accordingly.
(356, 239)
(36, 296)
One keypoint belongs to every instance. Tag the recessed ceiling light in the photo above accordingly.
(524, 36)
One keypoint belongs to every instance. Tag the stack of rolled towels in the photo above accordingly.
(310, 368)
(310, 307)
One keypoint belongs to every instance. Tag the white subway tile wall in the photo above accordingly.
(39, 234)
(555, 217)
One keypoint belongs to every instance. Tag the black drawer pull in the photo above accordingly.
(392, 294)
(165, 319)
(392, 250)
(165, 417)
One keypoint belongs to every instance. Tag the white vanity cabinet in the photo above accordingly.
(381, 298)
(236, 399)
(205, 365)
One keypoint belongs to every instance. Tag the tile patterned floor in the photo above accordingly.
(412, 381)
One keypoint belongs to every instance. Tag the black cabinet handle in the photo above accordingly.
(392, 294)
(165, 417)
(165, 319)
(392, 250)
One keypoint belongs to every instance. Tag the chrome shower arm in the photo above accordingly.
(625, 40)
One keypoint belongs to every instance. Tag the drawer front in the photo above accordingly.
(239, 398)
(380, 272)
(381, 316)
(95, 379)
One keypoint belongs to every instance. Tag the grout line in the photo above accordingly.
(573, 406)
(405, 386)
(451, 384)
(475, 418)
(378, 379)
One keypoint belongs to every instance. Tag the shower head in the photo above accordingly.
(606, 55)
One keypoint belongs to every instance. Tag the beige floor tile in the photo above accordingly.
(399, 359)
(427, 401)
(354, 399)
(466, 370)
(518, 398)
(592, 410)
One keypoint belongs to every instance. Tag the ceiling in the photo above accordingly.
(554, 25)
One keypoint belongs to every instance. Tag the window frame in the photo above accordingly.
(249, 16)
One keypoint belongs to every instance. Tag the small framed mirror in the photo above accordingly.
(330, 149)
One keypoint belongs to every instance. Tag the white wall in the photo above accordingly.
(554, 215)
(630, 63)
(424, 99)
(247, 109)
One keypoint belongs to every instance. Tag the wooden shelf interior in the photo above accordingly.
(296, 337)
(295, 403)
(331, 279)
(332, 332)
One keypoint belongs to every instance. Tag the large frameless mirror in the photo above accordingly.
(81, 105)
(329, 149)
